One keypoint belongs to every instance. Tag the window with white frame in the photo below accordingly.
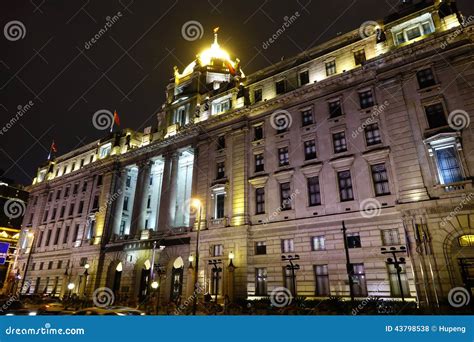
(104, 150)
(287, 246)
(390, 237)
(444, 150)
(318, 243)
(221, 106)
(413, 29)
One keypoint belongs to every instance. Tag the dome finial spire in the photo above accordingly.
(216, 29)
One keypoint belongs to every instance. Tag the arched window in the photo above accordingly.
(466, 240)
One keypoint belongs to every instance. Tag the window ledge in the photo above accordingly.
(436, 86)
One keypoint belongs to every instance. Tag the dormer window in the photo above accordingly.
(413, 29)
(104, 150)
(221, 106)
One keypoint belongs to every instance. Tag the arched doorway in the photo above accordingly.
(463, 250)
(177, 279)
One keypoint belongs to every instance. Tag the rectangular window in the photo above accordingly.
(260, 248)
(359, 284)
(359, 57)
(260, 281)
(75, 188)
(125, 203)
(95, 204)
(50, 265)
(45, 216)
(280, 87)
(50, 196)
(322, 280)
(395, 283)
(221, 142)
(48, 237)
(66, 235)
(353, 240)
(345, 186)
(304, 77)
(257, 95)
(220, 170)
(259, 163)
(331, 68)
(339, 142)
(61, 213)
(56, 237)
(366, 99)
(41, 265)
(307, 117)
(318, 243)
(217, 250)
(84, 186)
(128, 181)
(314, 193)
(283, 157)
(380, 179)
(335, 109)
(258, 133)
(60, 264)
(372, 134)
(40, 239)
(71, 209)
(413, 33)
(66, 191)
(448, 164)
(425, 78)
(220, 200)
(58, 194)
(260, 201)
(289, 280)
(310, 150)
(76, 233)
(99, 180)
(122, 227)
(287, 246)
(285, 196)
(435, 115)
(81, 207)
(148, 203)
(390, 237)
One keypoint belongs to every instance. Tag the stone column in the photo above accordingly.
(162, 222)
(141, 195)
(230, 282)
(173, 189)
(118, 206)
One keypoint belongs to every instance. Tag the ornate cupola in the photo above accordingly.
(215, 63)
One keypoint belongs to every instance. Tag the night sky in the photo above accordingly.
(128, 67)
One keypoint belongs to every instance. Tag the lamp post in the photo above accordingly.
(152, 268)
(292, 267)
(197, 204)
(70, 287)
(396, 262)
(86, 276)
(161, 271)
(216, 270)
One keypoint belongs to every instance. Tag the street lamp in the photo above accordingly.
(216, 270)
(70, 287)
(86, 276)
(396, 262)
(292, 267)
(190, 259)
(196, 203)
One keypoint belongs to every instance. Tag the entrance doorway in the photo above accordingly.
(467, 273)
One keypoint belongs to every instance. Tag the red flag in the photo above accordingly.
(54, 148)
(116, 118)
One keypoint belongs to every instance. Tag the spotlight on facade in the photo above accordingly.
(70, 286)
(87, 266)
(154, 285)
(196, 203)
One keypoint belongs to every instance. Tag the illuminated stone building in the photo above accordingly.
(359, 129)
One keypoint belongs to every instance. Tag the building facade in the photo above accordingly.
(370, 129)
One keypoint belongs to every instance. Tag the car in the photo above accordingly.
(109, 311)
(54, 308)
(20, 312)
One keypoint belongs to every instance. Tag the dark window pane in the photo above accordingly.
(339, 142)
(435, 115)
(345, 186)
(335, 109)
(448, 165)
(425, 78)
(366, 99)
(304, 77)
(372, 134)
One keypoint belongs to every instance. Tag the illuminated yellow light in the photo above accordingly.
(87, 266)
(70, 286)
(119, 267)
(191, 258)
(154, 285)
(196, 203)
(466, 240)
(231, 255)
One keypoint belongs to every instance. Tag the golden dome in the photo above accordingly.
(206, 58)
